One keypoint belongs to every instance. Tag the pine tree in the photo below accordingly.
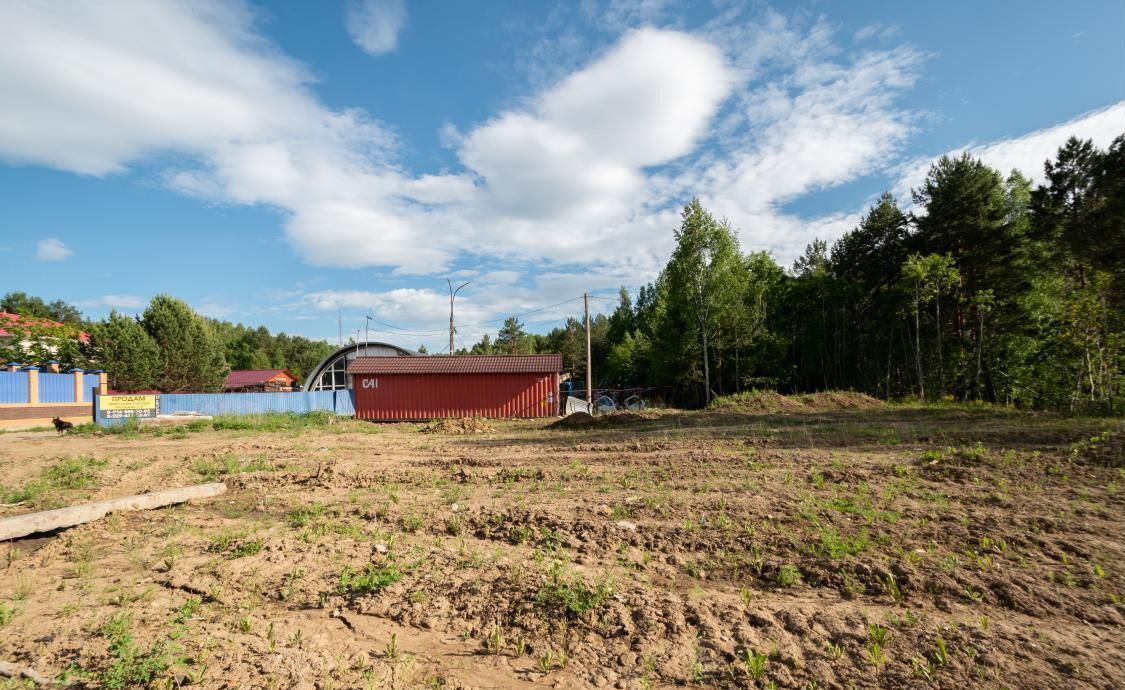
(509, 339)
(122, 347)
(191, 358)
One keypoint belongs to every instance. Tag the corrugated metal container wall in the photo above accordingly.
(400, 397)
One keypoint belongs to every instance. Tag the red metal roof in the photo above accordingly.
(9, 318)
(254, 377)
(457, 364)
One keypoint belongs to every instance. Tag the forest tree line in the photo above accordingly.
(168, 347)
(988, 289)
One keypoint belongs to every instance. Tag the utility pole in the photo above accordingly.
(366, 334)
(452, 295)
(589, 371)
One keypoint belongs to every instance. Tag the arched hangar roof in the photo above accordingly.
(330, 373)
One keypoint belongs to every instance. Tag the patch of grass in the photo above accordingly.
(975, 454)
(941, 653)
(305, 515)
(233, 544)
(876, 633)
(56, 484)
(453, 526)
(213, 468)
(788, 575)
(816, 478)
(7, 613)
(876, 655)
(932, 456)
(569, 594)
(132, 665)
(833, 545)
(371, 579)
(1105, 448)
(411, 522)
(277, 421)
(891, 585)
(754, 664)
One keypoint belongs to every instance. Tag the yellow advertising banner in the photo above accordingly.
(127, 402)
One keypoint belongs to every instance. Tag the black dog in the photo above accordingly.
(61, 426)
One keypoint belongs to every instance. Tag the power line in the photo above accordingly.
(391, 329)
(406, 331)
(526, 313)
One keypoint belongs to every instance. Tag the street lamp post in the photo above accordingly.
(452, 296)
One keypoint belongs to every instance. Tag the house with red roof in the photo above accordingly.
(24, 338)
(260, 381)
(14, 325)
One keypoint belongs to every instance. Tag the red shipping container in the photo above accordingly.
(432, 387)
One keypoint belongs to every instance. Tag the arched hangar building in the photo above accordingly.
(331, 373)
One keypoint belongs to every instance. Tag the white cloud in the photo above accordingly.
(1027, 152)
(824, 121)
(216, 310)
(877, 29)
(563, 177)
(52, 249)
(375, 25)
(582, 180)
(131, 302)
(412, 316)
(617, 15)
(590, 170)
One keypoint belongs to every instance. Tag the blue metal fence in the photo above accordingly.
(215, 404)
(13, 387)
(56, 388)
(89, 383)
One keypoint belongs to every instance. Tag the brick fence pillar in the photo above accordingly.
(79, 381)
(33, 386)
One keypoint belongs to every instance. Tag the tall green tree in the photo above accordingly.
(121, 346)
(191, 357)
(929, 277)
(703, 279)
(510, 339)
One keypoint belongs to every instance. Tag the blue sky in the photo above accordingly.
(274, 162)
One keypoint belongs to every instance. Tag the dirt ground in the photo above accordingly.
(896, 547)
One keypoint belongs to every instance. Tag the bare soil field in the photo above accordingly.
(814, 545)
